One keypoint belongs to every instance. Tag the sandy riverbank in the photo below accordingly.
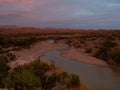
(79, 55)
(40, 48)
(37, 50)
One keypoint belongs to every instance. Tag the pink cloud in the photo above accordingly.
(6, 1)
(15, 1)
(41, 2)
(16, 15)
(24, 5)
(27, 1)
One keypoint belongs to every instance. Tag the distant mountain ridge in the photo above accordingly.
(8, 26)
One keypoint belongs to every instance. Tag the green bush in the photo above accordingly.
(25, 42)
(115, 55)
(73, 81)
(38, 75)
(104, 50)
(3, 68)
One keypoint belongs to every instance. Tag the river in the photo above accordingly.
(94, 77)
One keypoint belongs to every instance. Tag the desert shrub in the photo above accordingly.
(38, 75)
(7, 57)
(51, 81)
(108, 44)
(69, 81)
(1, 40)
(88, 50)
(24, 80)
(115, 55)
(3, 58)
(73, 81)
(74, 43)
(103, 51)
(11, 56)
(3, 68)
(25, 42)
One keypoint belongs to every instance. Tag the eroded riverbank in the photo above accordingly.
(37, 50)
(40, 48)
(80, 56)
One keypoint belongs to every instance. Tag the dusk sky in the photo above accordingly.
(78, 14)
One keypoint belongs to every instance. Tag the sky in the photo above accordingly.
(77, 14)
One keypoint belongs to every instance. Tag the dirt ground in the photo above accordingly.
(40, 48)
(79, 55)
(37, 50)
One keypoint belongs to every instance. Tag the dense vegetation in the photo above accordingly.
(108, 51)
(4, 68)
(36, 75)
(10, 41)
(103, 44)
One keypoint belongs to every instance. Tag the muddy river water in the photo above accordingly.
(94, 77)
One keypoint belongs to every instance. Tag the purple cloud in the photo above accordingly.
(61, 13)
